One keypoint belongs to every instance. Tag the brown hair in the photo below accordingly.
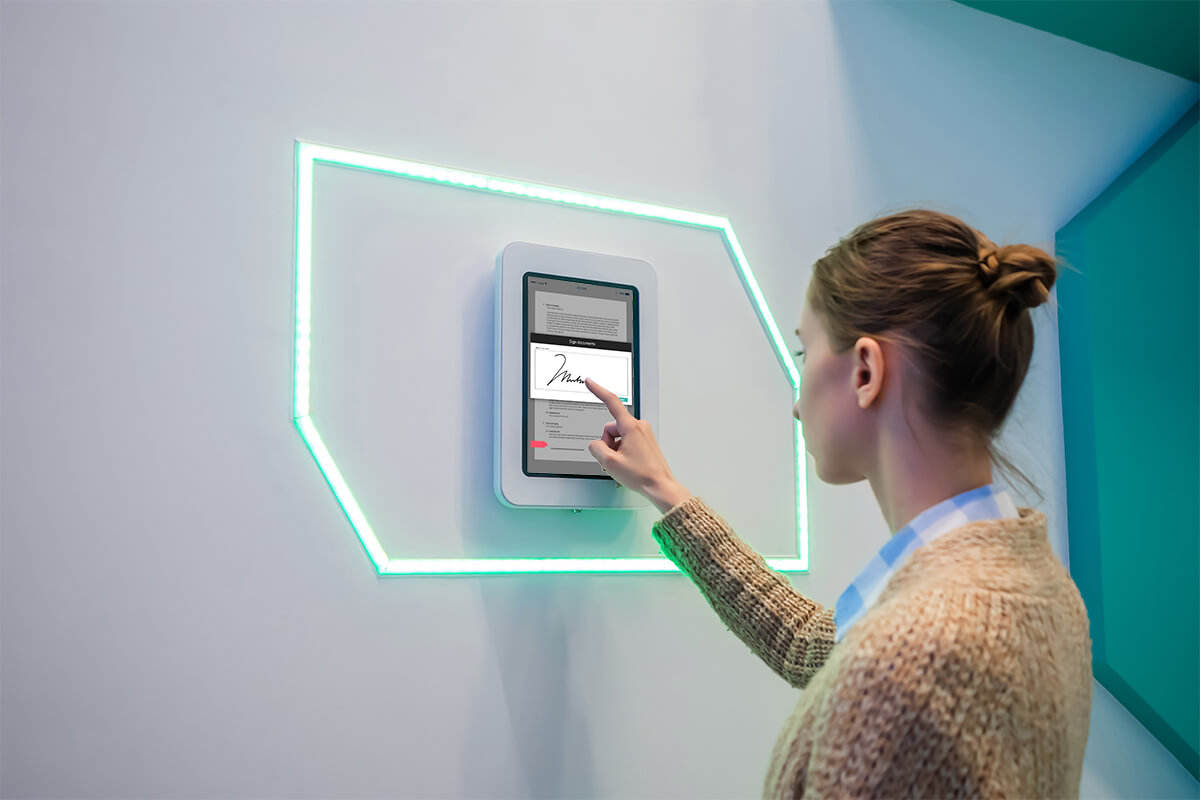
(953, 300)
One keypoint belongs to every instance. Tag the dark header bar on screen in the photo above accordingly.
(575, 341)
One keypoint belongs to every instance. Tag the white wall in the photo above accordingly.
(186, 611)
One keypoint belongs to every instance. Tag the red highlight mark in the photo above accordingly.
(536, 443)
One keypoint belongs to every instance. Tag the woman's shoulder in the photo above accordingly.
(1006, 555)
(977, 628)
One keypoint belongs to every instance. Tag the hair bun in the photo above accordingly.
(1018, 273)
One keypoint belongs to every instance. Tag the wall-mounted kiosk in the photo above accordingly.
(562, 316)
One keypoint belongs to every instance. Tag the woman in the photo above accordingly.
(958, 663)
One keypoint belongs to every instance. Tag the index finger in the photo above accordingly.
(615, 407)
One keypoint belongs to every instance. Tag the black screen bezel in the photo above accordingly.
(525, 399)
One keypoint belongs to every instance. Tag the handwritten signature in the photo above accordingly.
(566, 376)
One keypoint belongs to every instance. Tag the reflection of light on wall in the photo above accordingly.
(307, 155)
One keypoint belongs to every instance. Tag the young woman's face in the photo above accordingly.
(835, 430)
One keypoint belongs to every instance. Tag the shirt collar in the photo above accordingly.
(986, 502)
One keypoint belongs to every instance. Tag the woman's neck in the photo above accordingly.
(909, 480)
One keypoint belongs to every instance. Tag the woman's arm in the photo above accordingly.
(792, 633)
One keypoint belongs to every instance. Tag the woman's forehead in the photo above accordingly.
(802, 321)
(803, 326)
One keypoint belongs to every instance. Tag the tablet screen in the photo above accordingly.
(574, 329)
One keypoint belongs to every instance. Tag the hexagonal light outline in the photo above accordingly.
(307, 155)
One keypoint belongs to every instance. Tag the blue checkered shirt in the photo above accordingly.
(987, 502)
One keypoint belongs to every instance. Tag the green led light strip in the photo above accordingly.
(307, 156)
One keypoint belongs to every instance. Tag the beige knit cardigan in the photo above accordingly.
(971, 675)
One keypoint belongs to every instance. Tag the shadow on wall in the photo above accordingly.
(527, 617)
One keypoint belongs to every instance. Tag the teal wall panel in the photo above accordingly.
(1129, 337)
(1164, 34)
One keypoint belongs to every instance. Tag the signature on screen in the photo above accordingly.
(566, 377)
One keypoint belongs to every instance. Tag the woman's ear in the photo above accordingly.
(868, 371)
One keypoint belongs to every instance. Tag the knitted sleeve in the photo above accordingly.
(792, 633)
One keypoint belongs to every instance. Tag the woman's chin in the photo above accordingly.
(834, 476)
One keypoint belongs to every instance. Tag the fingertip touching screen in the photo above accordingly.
(572, 329)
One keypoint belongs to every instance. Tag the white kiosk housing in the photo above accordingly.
(587, 275)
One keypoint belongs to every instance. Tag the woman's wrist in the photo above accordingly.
(668, 496)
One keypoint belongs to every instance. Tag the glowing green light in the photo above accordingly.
(307, 155)
(516, 566)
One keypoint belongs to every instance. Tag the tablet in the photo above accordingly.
(574, 328)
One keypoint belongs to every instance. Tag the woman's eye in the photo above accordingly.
(800, 352)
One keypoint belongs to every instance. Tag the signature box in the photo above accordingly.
(558, 372)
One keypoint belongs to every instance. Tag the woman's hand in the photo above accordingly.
(628, 452)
